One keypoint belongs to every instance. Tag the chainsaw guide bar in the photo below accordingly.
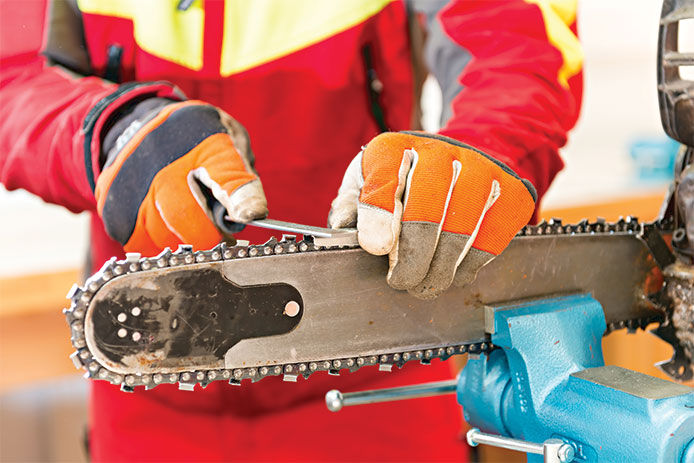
(322, 304)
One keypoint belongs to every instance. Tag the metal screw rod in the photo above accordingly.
(318, 232)
(475, 437)
(335, 399)
(554, 450)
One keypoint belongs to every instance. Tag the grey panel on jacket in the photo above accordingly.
(65, 44)
(445, 59)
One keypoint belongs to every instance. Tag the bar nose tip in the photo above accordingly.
(333, 400)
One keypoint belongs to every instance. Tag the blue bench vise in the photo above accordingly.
(545, 390)
(548, 382)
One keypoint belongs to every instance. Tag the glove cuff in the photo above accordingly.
(133, 116)
(107, 111)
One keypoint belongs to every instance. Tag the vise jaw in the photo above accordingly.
(549, 381)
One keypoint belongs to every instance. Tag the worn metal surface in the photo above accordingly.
(349, 311)
(631, 382)
(677, 327)
(681, 292)
(684, 209)
(186, 319)
(351, 317)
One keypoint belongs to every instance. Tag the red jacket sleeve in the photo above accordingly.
(50, 137)
(43, 110)
(41, 138)
(522, 89)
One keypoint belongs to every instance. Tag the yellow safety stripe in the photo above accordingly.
(259, 31)
(558, 15)
(159, 27)
(117, 8)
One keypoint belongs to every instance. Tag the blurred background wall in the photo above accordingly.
(42, 411)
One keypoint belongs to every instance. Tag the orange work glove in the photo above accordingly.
(165, 170)
(439, 208)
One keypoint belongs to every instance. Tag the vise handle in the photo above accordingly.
(553, 450)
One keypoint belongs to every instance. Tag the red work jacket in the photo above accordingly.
(312, 81)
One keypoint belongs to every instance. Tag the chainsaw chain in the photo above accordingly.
(80, 296)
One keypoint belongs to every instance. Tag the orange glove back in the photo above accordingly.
(439, 208)
(158, 188)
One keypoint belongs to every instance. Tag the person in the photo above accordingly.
(141, 113)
